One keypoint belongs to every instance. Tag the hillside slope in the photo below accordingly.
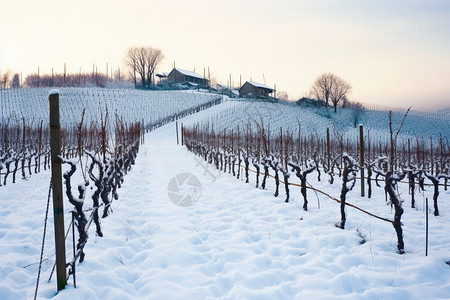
(316, 120)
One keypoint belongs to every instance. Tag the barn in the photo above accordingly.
(180, 75)
(255, 90)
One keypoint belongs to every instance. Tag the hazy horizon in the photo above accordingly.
(393, 53)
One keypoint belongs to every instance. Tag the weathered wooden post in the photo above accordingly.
(426, 227)
(182, 135)
(409, 153)
(361, 156)
(176, 127)
(40, 147)
(142, 132)
(328, 148)
(58, 210)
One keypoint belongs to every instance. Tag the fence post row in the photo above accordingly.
(58, 210)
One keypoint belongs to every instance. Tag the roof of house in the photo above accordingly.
(189, 73)
(259, 85)
(162, 74)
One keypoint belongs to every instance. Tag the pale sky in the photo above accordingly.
(394, 53)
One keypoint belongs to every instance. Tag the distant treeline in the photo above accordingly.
(67, 80)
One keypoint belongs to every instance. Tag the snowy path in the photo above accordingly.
(236, 242)
(156, 248)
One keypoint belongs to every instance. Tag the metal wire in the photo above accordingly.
(43, 240)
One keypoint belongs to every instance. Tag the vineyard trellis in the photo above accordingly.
(281, 152)
(24, 148)
(102, 149)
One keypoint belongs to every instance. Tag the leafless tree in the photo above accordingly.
(329, 87)
(357, 109)
(345, 102)
(141, 64)
(322, 87)
(131, 62)
(15, 84)
(5, 79)
(153, 58)
(339, 90)
(143, 61)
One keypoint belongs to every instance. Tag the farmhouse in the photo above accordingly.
(256, 90)
(180, 75)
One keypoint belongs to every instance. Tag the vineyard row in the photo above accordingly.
(282, 153)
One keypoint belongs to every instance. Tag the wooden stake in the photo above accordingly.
(143, 132)
(182, 135)
(176, 126)
(361, 156)
(328, 148)
(426, 227)
(409, 153)
(58, 210)
(40, 147)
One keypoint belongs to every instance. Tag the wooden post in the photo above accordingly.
(58, 210)
(40, 147)
(361, 156)
(431, 155)
(328, 148)
(409, 153)
(230, 85)
(74, 251)
(176, 127)
(182, 135)
(426, 227)
(143, 132)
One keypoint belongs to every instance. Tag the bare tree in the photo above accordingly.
(143, 61)
(141, 64)
(339, 90)
(322, 87)
(153, 58)
(345, 102)
(329, 87)
(5, 79)
(15, 84)
(131, 62)
(357, 109)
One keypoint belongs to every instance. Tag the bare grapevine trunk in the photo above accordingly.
(348, 182)
(266, 174)
(286, 176)
(435, 182)
(390, 183)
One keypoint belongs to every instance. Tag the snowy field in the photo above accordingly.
(130, 105)
(316, 120)
(234, 242)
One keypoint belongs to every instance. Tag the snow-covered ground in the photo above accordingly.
(130, 105)
(316, 120)
(235, 242)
